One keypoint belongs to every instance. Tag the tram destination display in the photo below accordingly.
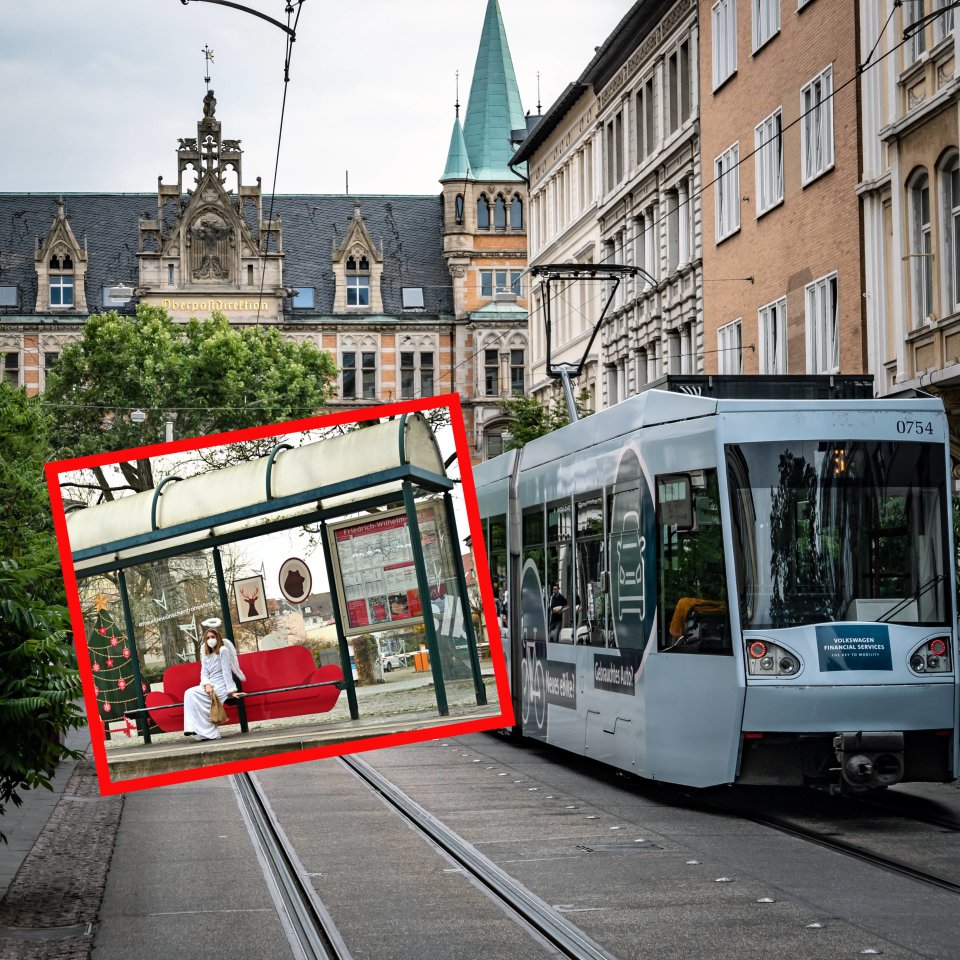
(377, 576)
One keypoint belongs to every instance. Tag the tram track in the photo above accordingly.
(518, 901)
(309, 927)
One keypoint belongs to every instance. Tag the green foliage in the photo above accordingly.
(214, 377)
(533, 419)
(39, 681)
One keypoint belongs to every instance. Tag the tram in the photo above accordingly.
(707, 591)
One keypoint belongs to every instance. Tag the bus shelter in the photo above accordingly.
(390, 473)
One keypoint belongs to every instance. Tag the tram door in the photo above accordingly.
(693, 687)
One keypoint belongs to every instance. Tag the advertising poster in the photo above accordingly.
(378, 578)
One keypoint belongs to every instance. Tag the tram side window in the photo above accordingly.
(591, 612)
(533, 545)
(497, 558)
(561, 599)
(694, 615)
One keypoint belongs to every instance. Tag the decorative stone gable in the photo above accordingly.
(61, 268)
(357, 270)
(209, 247)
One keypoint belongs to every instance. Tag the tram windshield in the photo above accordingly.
(839, 530)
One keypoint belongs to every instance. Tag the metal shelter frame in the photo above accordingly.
(394, 486)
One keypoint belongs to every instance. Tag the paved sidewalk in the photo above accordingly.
(23, 824)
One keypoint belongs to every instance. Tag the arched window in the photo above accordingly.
(921, 247)
(458, 210)
(500, 213)
(483, 212)
(516, 213)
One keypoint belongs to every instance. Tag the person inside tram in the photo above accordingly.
(693, 620)
(219, 672)
(558, 606)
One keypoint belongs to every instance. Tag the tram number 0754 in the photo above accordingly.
(914, 426)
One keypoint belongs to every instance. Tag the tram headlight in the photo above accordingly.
(768, 659)
(932, 656)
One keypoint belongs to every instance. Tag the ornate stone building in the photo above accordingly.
(412, 295)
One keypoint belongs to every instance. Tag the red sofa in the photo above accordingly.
(266, 670)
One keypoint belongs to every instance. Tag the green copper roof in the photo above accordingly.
(494, 107)
(458, 163)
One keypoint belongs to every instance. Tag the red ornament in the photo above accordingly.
(122, 684)
(126, 652)
(102, 631)
(109, 662)
(114, 641)
(106, 708)
(96, 668)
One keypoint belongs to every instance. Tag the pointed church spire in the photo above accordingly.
(494, 108)
(458, 162)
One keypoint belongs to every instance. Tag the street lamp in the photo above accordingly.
(239, 6)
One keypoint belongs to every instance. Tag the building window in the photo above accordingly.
(11, 368)
(491, 373)
(368, 375)
(50, 357)
(348, 368)
(678, 87)
(769, 162)
(501, 281)
(61, 290)
(816, 107)
(952, 229)
(673, 231)
(8, 295)
(730, 348)
(726, 171)
(943, 25)
(412, 363)
(483, 213)
(914, 29)
(724, 40)
(646, 134)
(773, 336)
(412, 298)
(493, 442)
(615, 151)
(823, 339)
(170, 274)
(921, 249)
(516, 213)
(458, 209)
(303, 298)
(516, 372)
(766, 21)
(500, 213)
(358, 291)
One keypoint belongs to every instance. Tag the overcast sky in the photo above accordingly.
(97, 92)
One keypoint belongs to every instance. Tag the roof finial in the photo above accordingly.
(456, 105)
(539, 109)
(208, 57)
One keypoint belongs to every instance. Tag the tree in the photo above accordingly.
(533, 419)
(211, 377)
(38, 678)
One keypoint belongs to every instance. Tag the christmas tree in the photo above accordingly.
(112, 663)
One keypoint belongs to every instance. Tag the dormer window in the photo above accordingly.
(60, 276)
(61, 265)
(358, 282)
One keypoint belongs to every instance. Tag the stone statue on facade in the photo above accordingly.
(209, 104)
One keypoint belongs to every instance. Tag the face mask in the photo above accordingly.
(211, 642)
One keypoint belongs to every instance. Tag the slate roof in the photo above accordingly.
(408, 227)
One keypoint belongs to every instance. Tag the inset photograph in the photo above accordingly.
(279, 594)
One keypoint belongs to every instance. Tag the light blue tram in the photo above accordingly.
(749, 591)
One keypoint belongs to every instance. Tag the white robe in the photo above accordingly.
(218, 670)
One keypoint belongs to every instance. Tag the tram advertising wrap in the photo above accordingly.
(709, 591)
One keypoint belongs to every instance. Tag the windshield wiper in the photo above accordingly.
(916, 595)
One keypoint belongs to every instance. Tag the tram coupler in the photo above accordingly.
(870, 760)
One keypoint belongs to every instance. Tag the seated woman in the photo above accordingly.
(219, 671)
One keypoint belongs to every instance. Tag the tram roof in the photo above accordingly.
(324, 479)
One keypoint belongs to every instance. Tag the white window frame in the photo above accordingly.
(357, 284)
(822, 310)
(768, 136)
(726, 171)
(417, 351)
(950, 220)
(816, 131)
(730, 348)
(62, 282)
(943, 25)
(766, 22)
(916, 45)
(921, 248)
(724, 41)
(772, 327)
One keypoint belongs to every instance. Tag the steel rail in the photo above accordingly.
(525, 906)
(310, 923)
